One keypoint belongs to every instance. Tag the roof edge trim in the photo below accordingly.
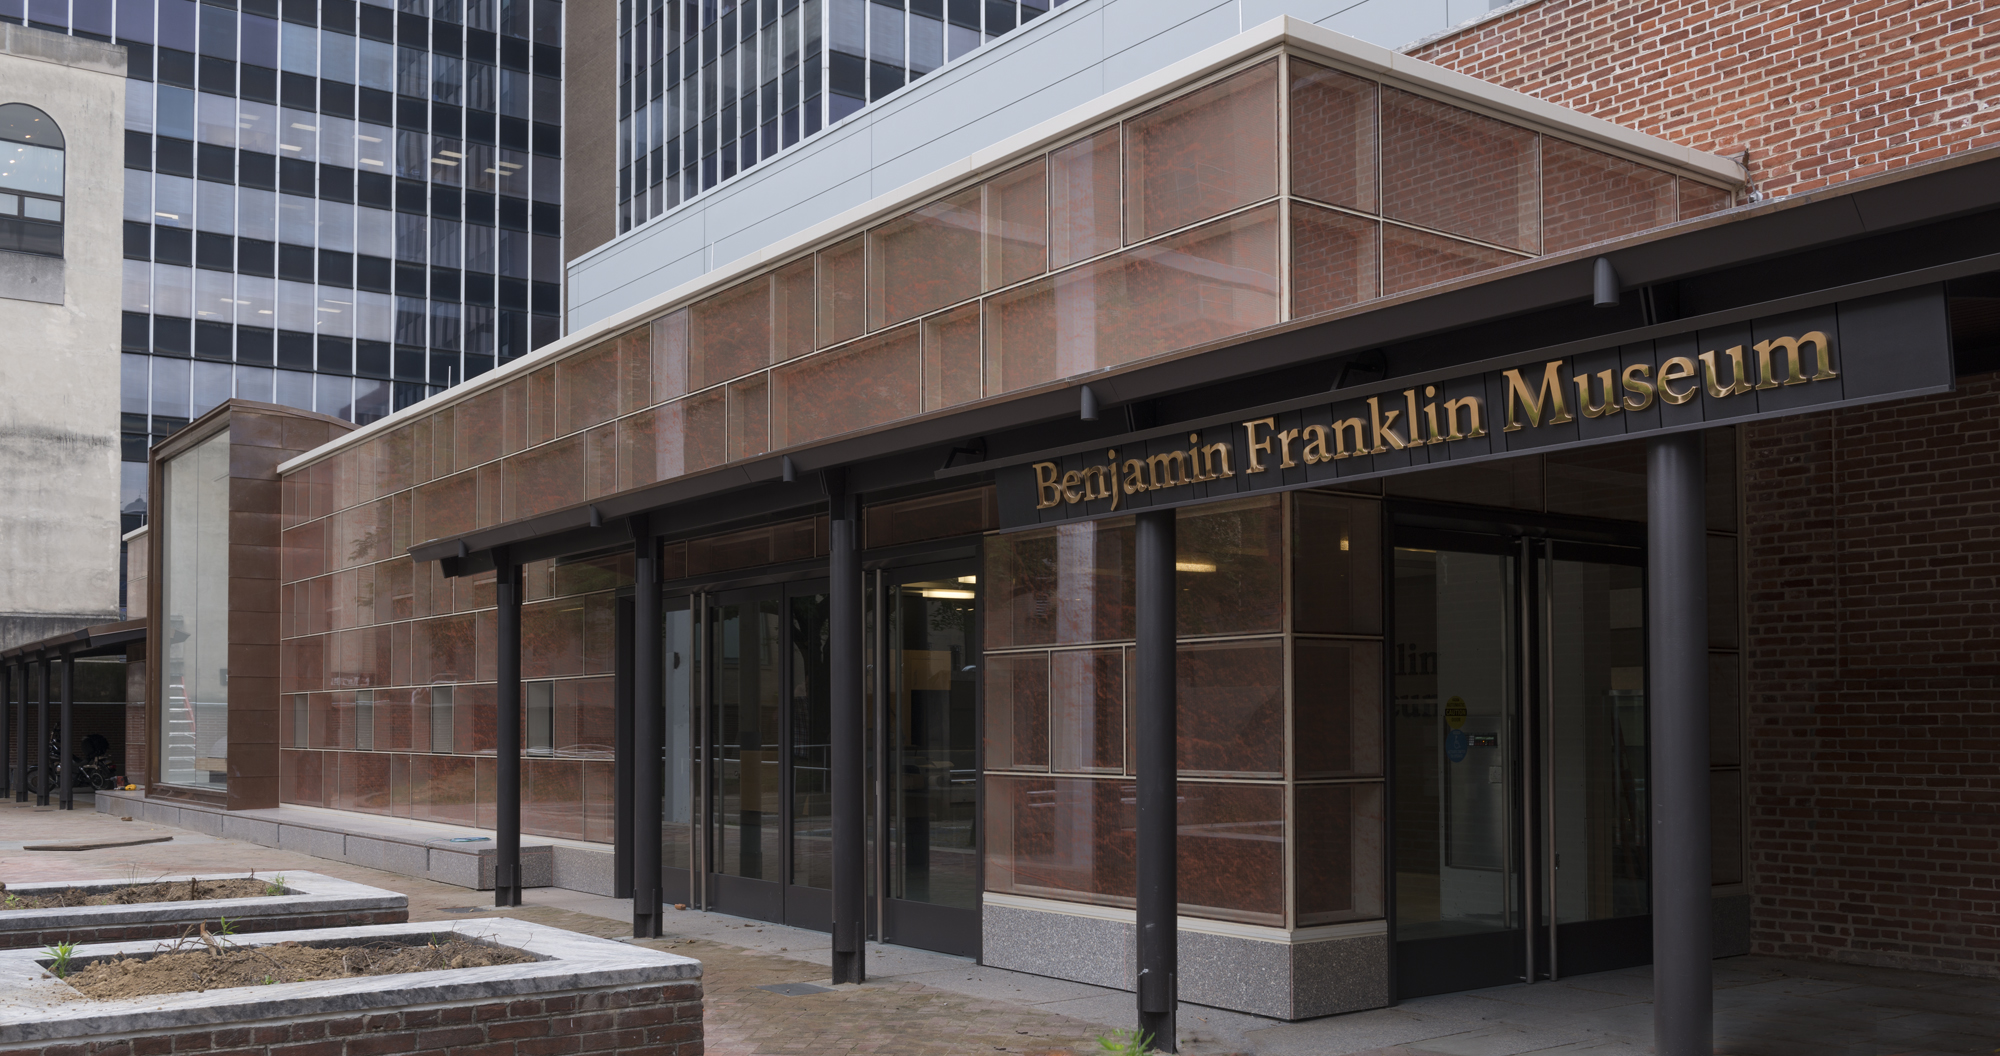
(1356, 55)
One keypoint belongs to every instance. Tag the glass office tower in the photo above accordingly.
(708, 88)
(332, 205)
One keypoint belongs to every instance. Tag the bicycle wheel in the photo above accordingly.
(35, 781)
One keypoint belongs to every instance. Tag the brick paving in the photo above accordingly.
(1764, 1006)
(891, 1018)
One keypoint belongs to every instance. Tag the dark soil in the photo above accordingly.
(189, 890)
(212, 964)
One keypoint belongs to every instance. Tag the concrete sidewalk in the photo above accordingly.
(925, 1004)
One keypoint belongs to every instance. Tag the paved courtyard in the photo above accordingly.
(924, 1004)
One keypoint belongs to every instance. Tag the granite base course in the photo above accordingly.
(311, 900)
(586, 994)
(346, 839)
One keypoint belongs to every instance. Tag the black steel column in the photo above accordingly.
(7, 770)
(42, 736)
(21, 735)
(507, 793)
(621, 768)
(648, 734)
(66, 755)
(1159, 897)
(850, 894)
(1677, 646)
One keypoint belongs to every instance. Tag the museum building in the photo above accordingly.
(1544, 549)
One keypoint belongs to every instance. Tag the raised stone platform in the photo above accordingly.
(585, 994)
(396, 845)
(310, 900)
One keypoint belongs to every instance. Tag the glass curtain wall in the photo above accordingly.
(710, 88)
(1279, 728)
(194, 605)
(387, 670)
(338, 206)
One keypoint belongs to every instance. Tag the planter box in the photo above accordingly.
(586, 995)
(313, 901)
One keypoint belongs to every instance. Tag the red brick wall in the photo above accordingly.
(1873, 776)
(639, 1021)
(1816, 92)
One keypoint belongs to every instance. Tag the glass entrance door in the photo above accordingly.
(1593, 747)
(1519, 725)
(929, 744)
(769, 825)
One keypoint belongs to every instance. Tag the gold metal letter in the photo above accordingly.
(1383, 428)
(1069, 482)
(1825, 357)
(1135, 477)
(1254, 448)
(1169, 470)
(1317, 450)
(1342, 430)
(1474, 427)
(1674, 370)
(1596, 410)
(1285, 441)
(1739, 382)
(1212, 454)
(1047, 492)
(1551, 393)
(1635, 381)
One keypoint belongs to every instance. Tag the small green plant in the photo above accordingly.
(275, 885)
(1126, 1043)
(268, 980)
(13, 900)
(60, 954)
(224, 928)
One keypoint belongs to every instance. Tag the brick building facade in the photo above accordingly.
(1870, 569)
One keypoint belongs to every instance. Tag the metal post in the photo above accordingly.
(66, 755)
(507, 793)
(1157, 855)
(621, 778)
(648, 735)
(7, 770)
(42, 734)
(21, 735)
(1677, 641)
(850, 895)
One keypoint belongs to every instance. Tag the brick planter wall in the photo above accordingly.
(632, 1021)
(1872, 563)
(583, 995)
(313, 901)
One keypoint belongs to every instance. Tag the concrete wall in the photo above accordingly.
(60, 319)
(1070, 56)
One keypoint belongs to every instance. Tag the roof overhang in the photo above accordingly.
(101, 640)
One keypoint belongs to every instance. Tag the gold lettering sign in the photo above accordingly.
(1534, 399)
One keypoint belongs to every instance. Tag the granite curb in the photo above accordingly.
(305, 893)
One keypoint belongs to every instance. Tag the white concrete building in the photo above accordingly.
(61, 198)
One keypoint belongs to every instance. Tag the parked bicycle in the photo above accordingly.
(98, 773)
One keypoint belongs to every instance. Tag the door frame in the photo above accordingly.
(1422, 967)
(778, 900)
(942, 929)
